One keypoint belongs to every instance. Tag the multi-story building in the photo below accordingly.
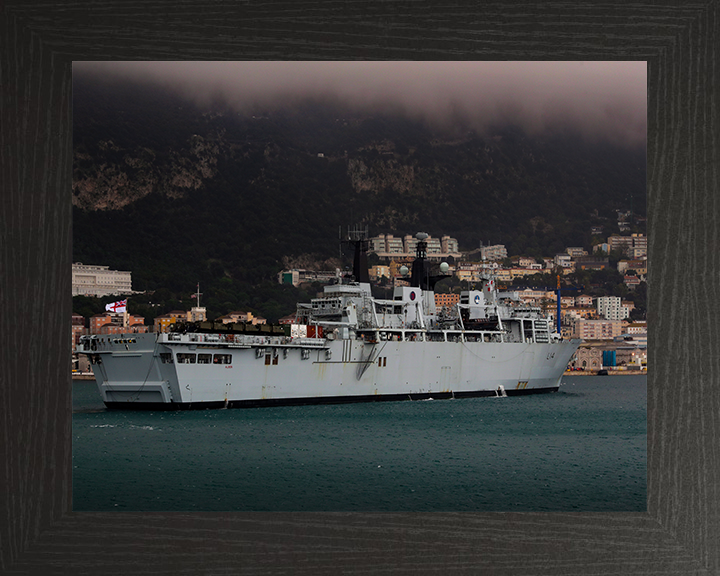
(535, 297)
(575, 252)
(619, 243)
(525, 262)
(89, 280)
(520, 272)
(388, 246)
(628, 245)
(449, 245)
(495, 252)
(577, 312)
(394, 245)
(197, 314)
(596, 329)
(567, 301)
(78, 329)
(299, 276)
(631, 282)
(446, 300)
(591, 263)
(639, 242)
(162, 323)
(639, 265)
(433, 245)
(636, 328)
(109, 323)
(468, 271)
(611, 308)
(377, 244)
(583, 300)
(410, 244)
(563, 260)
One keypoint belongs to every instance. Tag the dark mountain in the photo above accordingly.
(179, 194)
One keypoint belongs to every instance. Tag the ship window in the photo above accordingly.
(222, 359)
(204, 358)
(184, 358)
(166, 358)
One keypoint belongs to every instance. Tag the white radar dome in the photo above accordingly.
(444, 267)
(404, 270)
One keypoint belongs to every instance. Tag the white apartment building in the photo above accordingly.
(388, 246)
(449, 245)
(89, 280)
(496, 252)
(433, 245)
(563, 260)
(410, 243)
(611, 308)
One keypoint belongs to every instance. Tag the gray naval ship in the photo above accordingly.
(346, 346)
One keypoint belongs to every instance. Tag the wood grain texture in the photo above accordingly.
(38, 532)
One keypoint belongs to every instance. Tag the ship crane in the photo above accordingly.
(559, 290)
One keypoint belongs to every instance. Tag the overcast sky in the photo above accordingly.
(601, 99)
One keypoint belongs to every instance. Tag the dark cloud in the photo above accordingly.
(598, 99)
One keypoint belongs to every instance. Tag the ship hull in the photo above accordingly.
(145, 371)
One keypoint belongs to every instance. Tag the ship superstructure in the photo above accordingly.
(346, 346)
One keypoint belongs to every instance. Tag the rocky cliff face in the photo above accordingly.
(385, 173)
(115, 177)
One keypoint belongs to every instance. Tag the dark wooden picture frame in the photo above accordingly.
(39, 534)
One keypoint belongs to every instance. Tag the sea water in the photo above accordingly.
(583, 448)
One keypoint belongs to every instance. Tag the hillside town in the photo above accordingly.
(611, 339)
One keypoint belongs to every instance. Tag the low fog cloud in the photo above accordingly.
(598, 99)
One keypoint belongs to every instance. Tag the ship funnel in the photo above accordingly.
(359, 238)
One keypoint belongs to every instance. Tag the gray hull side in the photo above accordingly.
(346, 370)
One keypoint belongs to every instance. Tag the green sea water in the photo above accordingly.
(583, 448)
